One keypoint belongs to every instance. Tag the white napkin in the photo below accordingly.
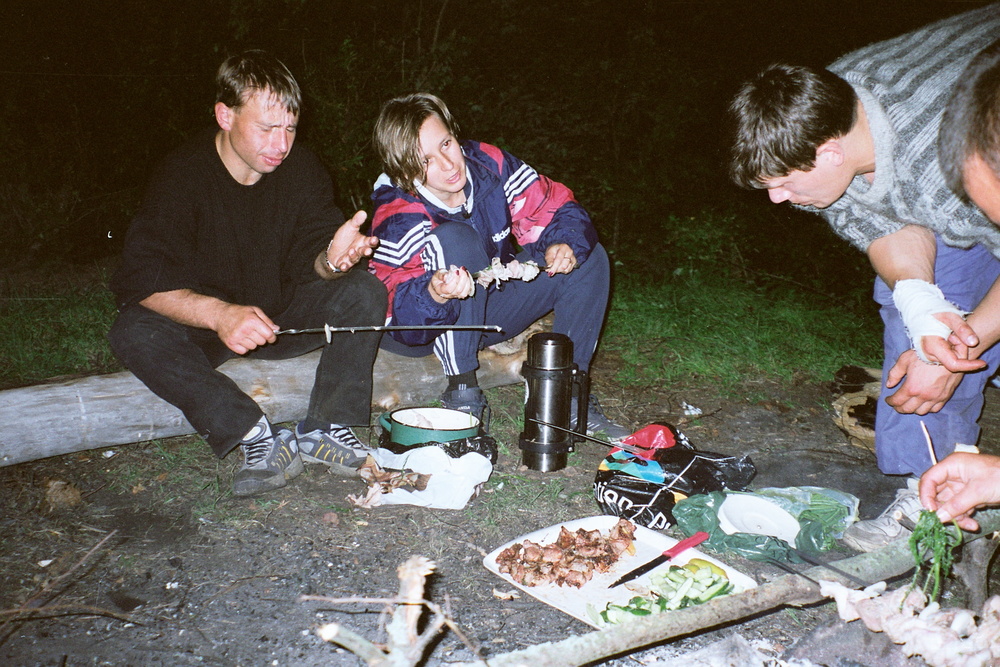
(452, 484)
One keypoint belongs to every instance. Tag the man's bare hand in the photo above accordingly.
(244, 328)
(960, 484)
(349, 245)
(953, 353)
(559, 258)
(926, 387)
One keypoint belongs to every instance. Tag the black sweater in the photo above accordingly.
(201, 230)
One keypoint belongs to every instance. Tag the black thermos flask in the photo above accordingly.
(549, 374)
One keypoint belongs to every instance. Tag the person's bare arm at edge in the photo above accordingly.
(347, 247)
(240, 328)
(959, 484)
(985, 321)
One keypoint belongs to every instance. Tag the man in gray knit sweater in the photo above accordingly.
(856, 143)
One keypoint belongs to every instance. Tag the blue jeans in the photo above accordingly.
(178, 363)
(964, 277)
(578, 300)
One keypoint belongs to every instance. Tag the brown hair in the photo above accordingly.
(256, 70)
(397, 135)
(781, 116)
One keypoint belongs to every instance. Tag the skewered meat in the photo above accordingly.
(571, 560)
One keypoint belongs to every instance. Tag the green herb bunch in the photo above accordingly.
(932, 537)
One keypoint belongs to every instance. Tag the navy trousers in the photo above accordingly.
(578, 300)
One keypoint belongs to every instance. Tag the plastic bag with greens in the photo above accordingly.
(823, 514)
(701, 512)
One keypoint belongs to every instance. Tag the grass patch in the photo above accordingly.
(691, 327)
(54, 329)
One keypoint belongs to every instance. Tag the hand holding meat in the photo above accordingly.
(452, 283)
(559, 258)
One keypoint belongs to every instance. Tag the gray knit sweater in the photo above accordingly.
(904, 84)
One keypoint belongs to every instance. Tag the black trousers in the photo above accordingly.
(178, 363)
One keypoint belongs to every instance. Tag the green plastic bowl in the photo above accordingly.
(414, 426)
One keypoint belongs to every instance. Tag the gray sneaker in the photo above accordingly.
(598, 423)
(876, 533)
(267, 465)
(337, 448)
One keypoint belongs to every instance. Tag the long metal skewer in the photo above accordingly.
(631, 449)
(328, 330)
(836, 570)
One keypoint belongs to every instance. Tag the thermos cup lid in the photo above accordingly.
(550, 351)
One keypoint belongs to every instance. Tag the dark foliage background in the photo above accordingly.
(624, 101)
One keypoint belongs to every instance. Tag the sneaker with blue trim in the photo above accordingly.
(597, 422)
(268, 464)
(338, 448)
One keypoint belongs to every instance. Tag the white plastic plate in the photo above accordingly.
(746, 513)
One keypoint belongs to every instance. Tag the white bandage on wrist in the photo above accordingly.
(917, 302)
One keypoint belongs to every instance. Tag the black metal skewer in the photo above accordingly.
(631, 449)
(836, 570)
(422, 327)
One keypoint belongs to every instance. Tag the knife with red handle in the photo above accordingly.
(683, 545)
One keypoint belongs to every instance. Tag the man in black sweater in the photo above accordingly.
(237, 238)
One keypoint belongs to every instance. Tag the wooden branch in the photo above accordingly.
(60, 610)
(337, 634)
(402, 629)
(116, 409)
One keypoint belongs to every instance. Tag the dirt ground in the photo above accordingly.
(180, 572)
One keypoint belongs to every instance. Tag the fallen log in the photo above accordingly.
(116, 409)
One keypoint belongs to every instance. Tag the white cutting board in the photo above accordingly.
(573, 601)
